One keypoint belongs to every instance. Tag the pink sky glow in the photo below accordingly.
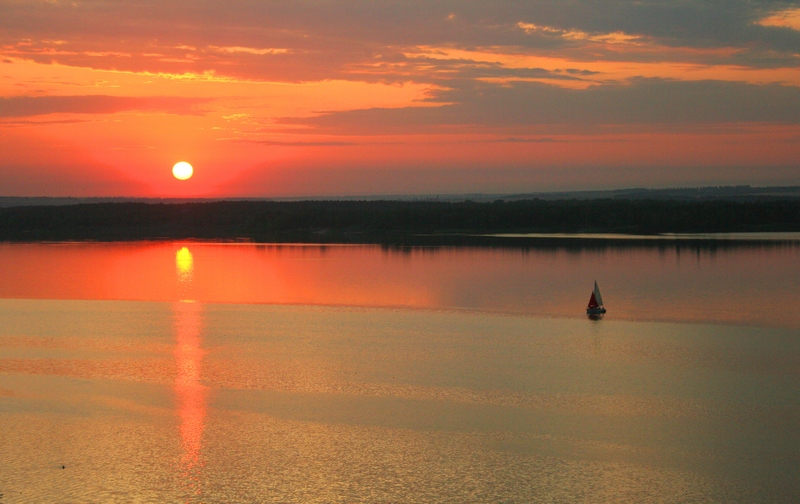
(315, 98)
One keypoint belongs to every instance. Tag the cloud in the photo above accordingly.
(26, 106)
(642, 101)
(331, 143)
(247, 50)
(308, 40)
(527, 78)
(526, 140)
(23, 123)
(789, 18)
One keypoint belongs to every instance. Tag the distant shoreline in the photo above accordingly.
(748, 237)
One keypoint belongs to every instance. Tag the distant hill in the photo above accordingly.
(726, 193)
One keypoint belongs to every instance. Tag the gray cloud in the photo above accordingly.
(338, 39)
(26, 106)
(301, 144)
(644, 101)
(526, 140)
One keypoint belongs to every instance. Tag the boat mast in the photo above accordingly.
(597, 295)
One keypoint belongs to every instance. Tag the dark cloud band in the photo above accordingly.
(26, 106)
(643, 101)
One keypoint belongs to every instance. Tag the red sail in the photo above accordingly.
(593, 302)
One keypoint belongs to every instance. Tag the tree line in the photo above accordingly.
(374, 221)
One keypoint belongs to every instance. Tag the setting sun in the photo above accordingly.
(182, 170)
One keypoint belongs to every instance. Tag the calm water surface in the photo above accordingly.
(189, 372)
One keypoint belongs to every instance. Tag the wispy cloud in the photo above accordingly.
(789, 18)
(26, 106)
(249, 50)
(325, 143)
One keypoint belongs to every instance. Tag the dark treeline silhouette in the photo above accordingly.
(387, 221)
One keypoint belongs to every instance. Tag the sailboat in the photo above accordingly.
(595, 302)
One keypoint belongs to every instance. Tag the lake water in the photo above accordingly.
(200, 372)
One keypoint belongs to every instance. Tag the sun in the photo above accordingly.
(182, 170)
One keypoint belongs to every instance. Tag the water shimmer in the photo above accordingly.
(460, 396)
(744, 284)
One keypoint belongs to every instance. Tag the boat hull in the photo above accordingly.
(595, 311)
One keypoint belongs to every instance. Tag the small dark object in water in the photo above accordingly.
(595, 303)
(63, 467)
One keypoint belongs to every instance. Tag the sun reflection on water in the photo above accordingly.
(189, 390)
(184, 265)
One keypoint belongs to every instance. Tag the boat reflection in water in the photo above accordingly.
(190, 393)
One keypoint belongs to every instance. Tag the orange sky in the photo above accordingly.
(317, 98)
